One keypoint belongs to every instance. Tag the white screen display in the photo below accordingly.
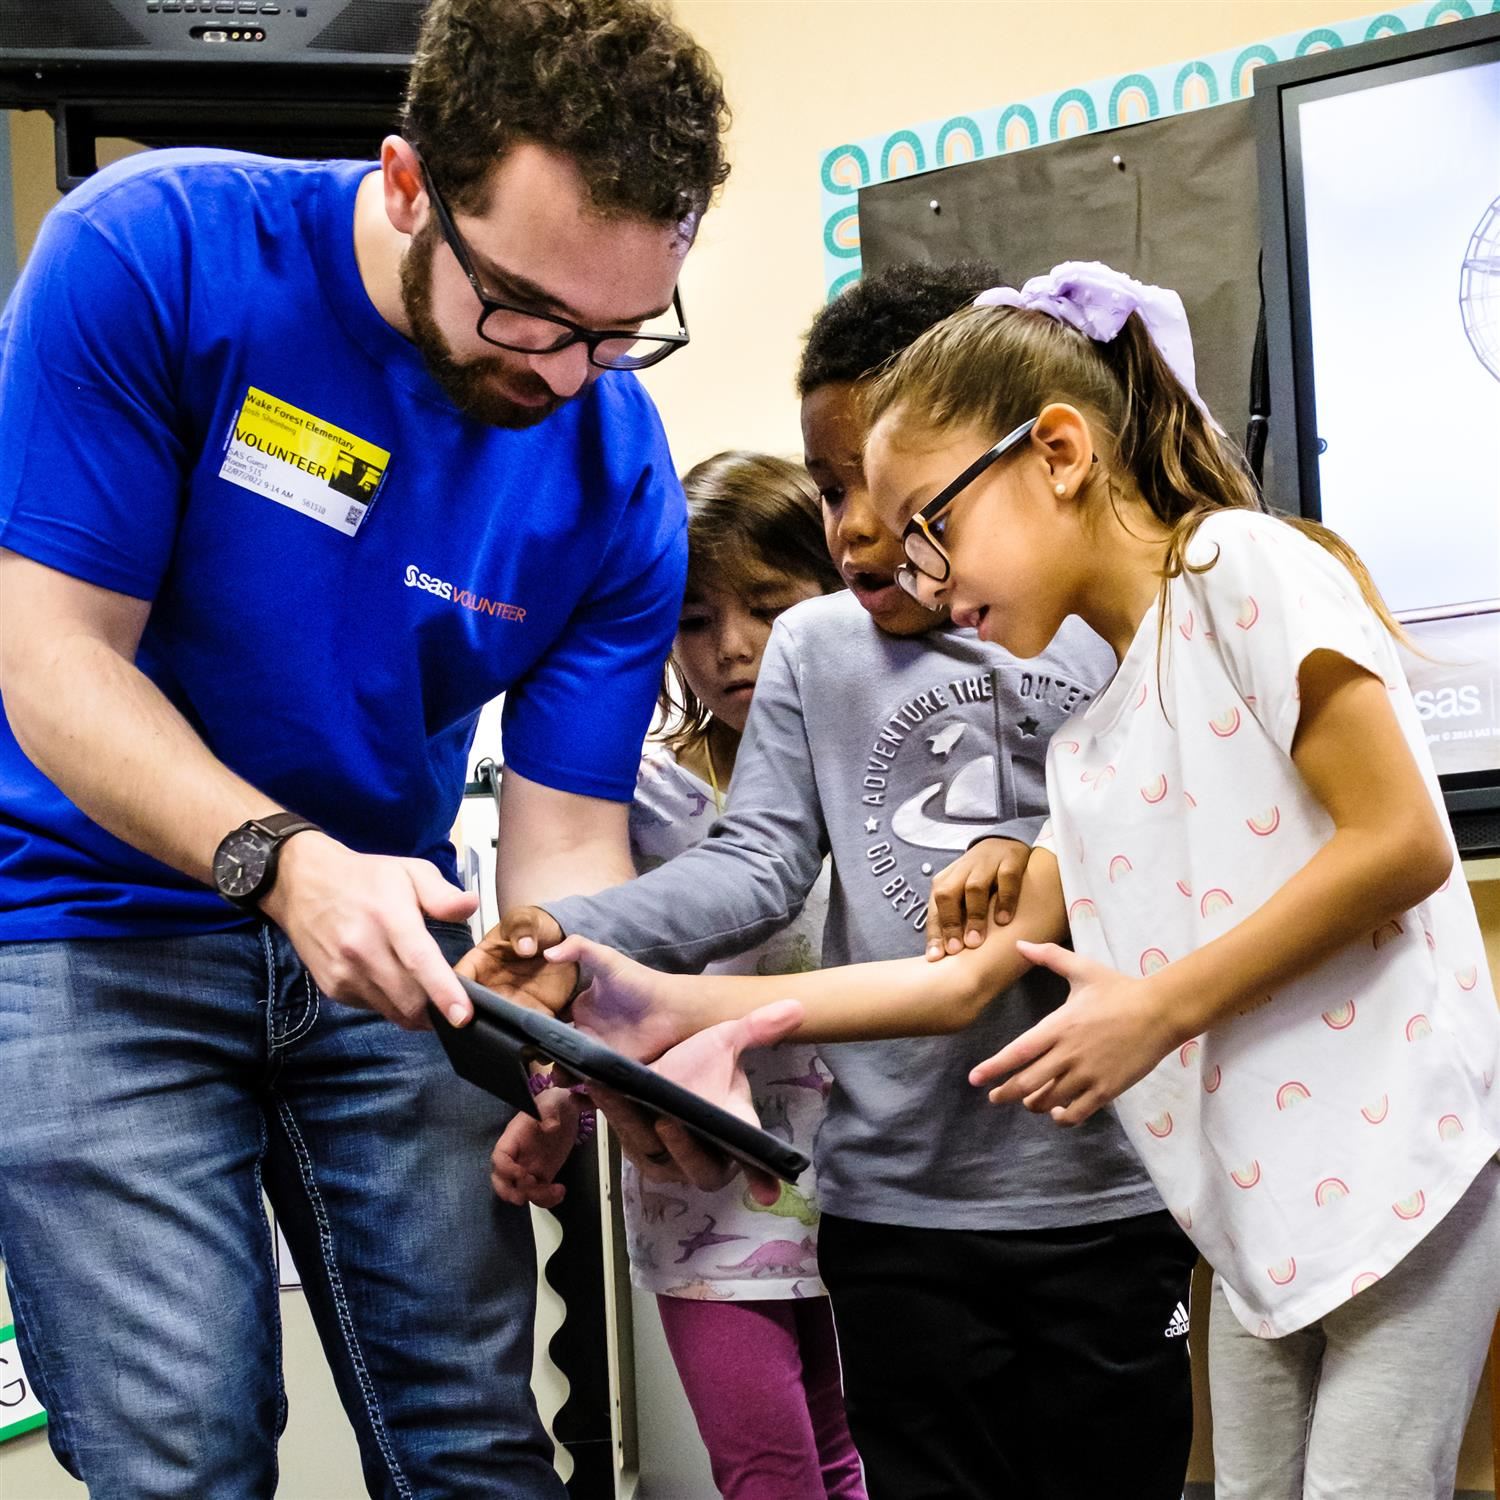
(1401, 186)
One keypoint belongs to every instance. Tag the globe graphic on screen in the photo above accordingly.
(1479, 290)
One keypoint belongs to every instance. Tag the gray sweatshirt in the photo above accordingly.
(892, 755)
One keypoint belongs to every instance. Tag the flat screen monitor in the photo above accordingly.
(1380, 198)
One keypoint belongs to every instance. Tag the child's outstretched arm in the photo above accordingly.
(1389, 851)
(714, 900)
(643, 1012)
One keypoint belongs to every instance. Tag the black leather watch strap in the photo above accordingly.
(281, 826)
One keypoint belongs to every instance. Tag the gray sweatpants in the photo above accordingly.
(1369, 1402)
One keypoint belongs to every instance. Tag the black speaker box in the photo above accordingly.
(288, 77)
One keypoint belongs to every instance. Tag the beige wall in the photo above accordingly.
(803, 75)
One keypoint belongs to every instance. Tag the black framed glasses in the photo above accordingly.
(923, 545)
(524, 331)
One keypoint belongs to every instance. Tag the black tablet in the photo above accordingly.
(495, 1048)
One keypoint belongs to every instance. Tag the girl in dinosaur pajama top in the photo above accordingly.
(745, 1315)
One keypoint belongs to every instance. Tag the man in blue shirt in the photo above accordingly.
(300, 464)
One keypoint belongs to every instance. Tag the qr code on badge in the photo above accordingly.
(355, 512)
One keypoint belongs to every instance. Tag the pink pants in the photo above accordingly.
(763, 1381)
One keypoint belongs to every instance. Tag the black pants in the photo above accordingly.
(1014, 1365)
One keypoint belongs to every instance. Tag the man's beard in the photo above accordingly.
(469, 386)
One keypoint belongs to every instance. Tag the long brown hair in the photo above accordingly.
(996, 367)
(746, 512)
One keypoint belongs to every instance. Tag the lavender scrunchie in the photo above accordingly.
(1096, 300)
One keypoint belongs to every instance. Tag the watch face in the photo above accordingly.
(240, 863)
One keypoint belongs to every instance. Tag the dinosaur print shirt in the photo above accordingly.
(1309, 1143)
(724, 1246)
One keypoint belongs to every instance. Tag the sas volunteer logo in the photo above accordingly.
(290, 456)
(441, 588)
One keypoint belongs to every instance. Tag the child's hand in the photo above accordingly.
(708, 1064)
(530, 1153)
(508, 959)
(1107, 1035)
(959, 907)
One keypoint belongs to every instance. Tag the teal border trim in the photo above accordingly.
(1084, 100)
(958, 125)
(1223, 76)
(1188, 73)
(907, 138)
(1028, 119)
(1124, 86)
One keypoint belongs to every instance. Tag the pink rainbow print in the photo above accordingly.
(1292, 1093)
(1184, 1218)
(1249, 613)
(1119, 867)
(1082, 909)
(1330, 1190)
(1211, 1081)
(1226, 723)
(1266, 823)
(1161, 1126)
(1214, 902)
(1071, 746)
(1450, 1127)
(1246, 1177)
(1375, 1113)
(1418, 1028)
(1187, 1053)
(1185, 888)
(1140, 697)
(1154, 791)
(1467, 978)
(1283, 1272)
(1363, 1282)
(1152, 960)
(1431, 939)
(1410, 1208)
(1190, 799)
(1341, 1017)
(1387, 932)
(1186, 628)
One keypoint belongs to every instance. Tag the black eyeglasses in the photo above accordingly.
(525, 332)
(925, 555)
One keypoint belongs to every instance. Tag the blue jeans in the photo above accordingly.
(155, 1088)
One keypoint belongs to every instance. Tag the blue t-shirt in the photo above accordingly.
(200, 406)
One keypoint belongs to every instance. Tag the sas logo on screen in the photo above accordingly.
(441, 588)
(1449, 702)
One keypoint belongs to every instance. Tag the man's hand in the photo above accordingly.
(508, 959)
(356, 921)
(1106, 1036)
(985, 879)
(530, 1153)
(709, 1065)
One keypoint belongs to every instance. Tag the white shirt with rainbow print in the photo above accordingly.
(1309, 1144)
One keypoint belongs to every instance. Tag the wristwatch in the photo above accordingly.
(245, 861)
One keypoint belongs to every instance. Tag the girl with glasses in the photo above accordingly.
(1277, 976)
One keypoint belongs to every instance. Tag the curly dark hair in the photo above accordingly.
(616, 84)
(873, 320)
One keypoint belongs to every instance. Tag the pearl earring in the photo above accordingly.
(1060, 489)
